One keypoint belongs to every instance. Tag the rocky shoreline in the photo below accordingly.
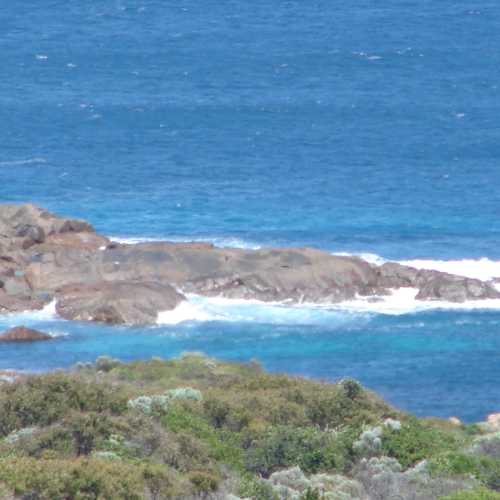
(45, 257)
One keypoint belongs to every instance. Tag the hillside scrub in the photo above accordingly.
(199, 428)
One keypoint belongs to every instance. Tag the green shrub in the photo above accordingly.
(204, 482)
(87, 429)
(159, 481)
(311, 494)
(217, 411)
(256, 489)
(55, 439)
(415, 441)
(312, 450)
(223, 446)
(106, 363)
(42, 400)
(351, 388)
(61, 480)
(476, 494)
(345, 404)
(483, 468)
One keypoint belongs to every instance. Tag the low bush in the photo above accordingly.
(487, 445)
(312, 450)
(204, 482)
(476, 494)
(415, 441)
(483, 468)
(60, 480)
(206, 429)
(42, 400)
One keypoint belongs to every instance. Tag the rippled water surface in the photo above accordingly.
(352, 127)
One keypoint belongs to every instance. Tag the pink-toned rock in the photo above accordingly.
(494, 421)
(23, 334)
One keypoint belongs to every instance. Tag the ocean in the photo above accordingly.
(356, 128)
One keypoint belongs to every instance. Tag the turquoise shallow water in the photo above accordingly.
(350, 127)
(432, 363)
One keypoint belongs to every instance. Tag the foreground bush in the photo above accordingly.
(196, 428)
(44, 399)
(87, 479)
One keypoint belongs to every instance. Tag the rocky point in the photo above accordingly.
(45, 257)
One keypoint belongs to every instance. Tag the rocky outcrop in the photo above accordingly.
(435, 285)
(22, 226)
(116, 302)
(43, 256)
(23, 334)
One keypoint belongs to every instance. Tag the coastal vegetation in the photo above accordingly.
(199, 428)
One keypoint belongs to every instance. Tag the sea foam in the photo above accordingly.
(48, 313)
(398, 302)
(483, 268)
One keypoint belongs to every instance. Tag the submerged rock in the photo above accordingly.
(23, 334)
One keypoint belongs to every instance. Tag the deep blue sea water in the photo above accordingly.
(353, 127)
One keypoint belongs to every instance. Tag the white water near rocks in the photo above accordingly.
(400, 301)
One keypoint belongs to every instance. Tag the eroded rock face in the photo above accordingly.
(43, 256)
(15, 304)
(117, 302)
(23, 334)
(22, 226)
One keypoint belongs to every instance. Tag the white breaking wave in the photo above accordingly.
(48, 313)
(372, 258)
(483, 269)
(185, 311)
(133, 240)
(199, 308)
(399, 301)
(403, 301)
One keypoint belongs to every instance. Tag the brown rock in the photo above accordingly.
(84, 240)
(23, 334)
(442, 286)
(118, 302)
(10, 304)
(41, 254)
